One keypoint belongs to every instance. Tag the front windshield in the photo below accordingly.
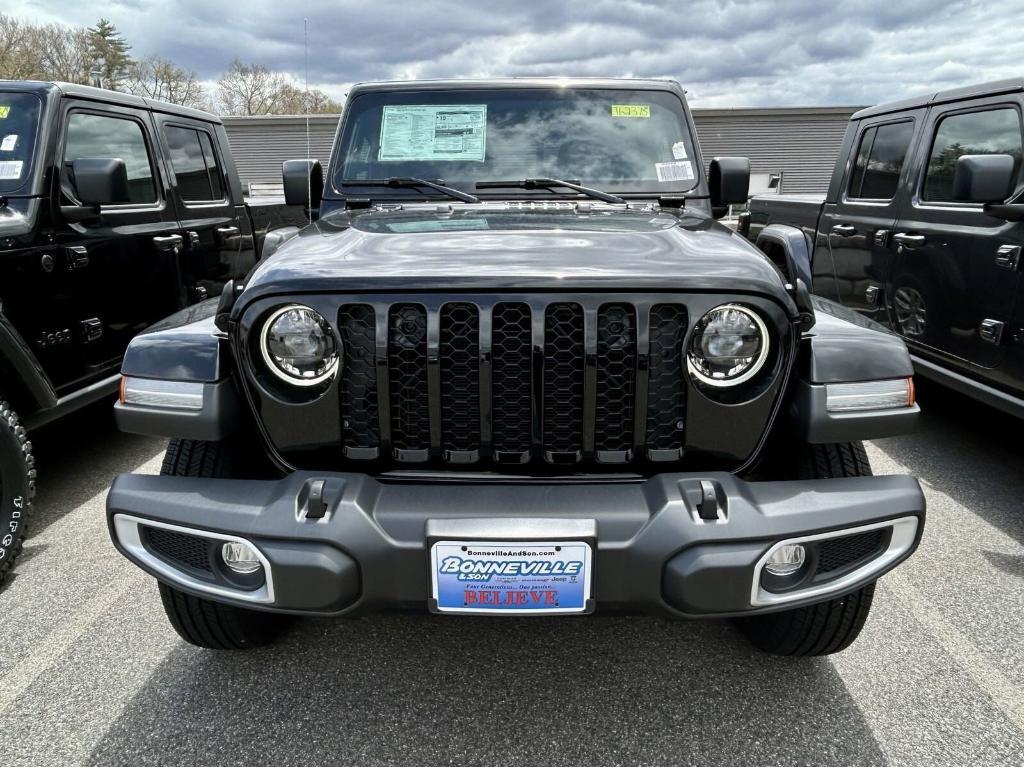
(19, 121)
(628, 141)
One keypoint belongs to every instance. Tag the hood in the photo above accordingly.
(492, 248)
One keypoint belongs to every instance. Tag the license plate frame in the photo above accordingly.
(512, 577)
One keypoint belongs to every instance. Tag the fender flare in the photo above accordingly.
(30, 381)
(795, 248)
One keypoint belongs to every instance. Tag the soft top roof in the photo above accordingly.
(941, 97)
(89, 93)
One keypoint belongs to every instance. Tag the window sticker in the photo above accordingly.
(9, 143)
(631, 110)
(679, 150)
(674, 171)
(457, 132)
(10, 169)
(5, 110)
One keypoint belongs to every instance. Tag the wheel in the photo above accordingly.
(200, 621)
(17, 486)
(826, 627)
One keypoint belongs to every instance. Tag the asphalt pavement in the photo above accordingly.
(92, 674)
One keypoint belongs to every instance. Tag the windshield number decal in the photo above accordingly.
(631, 110)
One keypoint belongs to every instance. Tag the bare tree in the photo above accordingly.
(293, 101)
(158, 78)
(17, 60)
(249, 89)
(64, 52)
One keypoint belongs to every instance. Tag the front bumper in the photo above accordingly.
(691, 545)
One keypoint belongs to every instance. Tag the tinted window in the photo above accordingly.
(188, 163)
(618, 140)
(880, 160)
(996, 131)
(19, 121)
(91, 135)
(216, 183)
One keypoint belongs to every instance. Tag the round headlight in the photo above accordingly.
(729, 345)
(299, 346)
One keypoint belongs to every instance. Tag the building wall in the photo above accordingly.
(800, 143)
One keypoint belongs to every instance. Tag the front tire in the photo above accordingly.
(827, 627)
(17, 486)
(203, 622)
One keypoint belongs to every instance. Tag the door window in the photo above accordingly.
(94, 135)
(995, 131)
(883, 149)
(194, 163)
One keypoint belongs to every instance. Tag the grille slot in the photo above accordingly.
(359, 419)
(616, 377)
(666, 385)
(840, 553)
(563, 381)
(407, 370)
(460, 377)
(188, 550)
(511, 332)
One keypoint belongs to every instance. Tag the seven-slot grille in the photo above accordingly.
(512, 381)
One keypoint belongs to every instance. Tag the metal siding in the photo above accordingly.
(801, 143)
(802, 146)
(260, 146)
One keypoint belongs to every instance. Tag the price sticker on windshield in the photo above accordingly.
(4, 111)
(631, 110)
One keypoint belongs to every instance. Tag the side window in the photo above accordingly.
(996, 131)
(93, 135)
(883, 149)
(194, 163)
(212, 168)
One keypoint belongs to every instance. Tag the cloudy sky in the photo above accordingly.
(787, 53)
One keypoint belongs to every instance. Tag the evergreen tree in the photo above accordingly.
(109, 51)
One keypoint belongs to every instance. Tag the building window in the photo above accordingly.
(883, 150)
(93, 135)
(996, 131)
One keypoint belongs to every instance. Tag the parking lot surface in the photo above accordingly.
(92, 674)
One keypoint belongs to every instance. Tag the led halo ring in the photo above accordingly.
(274, 368)
(754, 368)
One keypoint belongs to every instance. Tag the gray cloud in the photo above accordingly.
(725, 52)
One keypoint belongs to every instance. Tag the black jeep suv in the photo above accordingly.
(516, 367)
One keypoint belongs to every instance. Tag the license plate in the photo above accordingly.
(496, 577)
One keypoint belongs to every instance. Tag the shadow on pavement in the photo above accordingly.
(971, 452)
(78, 457)
(420, 689)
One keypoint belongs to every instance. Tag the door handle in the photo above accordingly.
(913, 240)
(227, 232)
(170, 243)
(844, 230)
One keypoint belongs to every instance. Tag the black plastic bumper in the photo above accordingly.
(655, 552)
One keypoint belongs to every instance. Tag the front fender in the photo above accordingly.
(794, 247)
(177, 380)
(847, 348)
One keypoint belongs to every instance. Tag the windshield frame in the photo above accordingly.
(341, 189)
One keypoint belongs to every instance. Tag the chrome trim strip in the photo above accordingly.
(126, 527)
(904, 533)
(170, 395)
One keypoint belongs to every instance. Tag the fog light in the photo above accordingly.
(786, 560)
(240, 558)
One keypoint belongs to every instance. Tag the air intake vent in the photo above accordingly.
(189, 551)
(837, 554)
(407, 368)
(563, 382)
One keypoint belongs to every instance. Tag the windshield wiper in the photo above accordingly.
(398, 182)
(547, 183)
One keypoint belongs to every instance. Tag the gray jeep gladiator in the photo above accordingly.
(517, 368)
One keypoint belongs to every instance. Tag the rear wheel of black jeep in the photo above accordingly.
(17, 486)
(826, 627)
(200, 621)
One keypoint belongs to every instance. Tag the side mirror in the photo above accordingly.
(303, 182)
(100, 180)
(983, 178)
(729, 181)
